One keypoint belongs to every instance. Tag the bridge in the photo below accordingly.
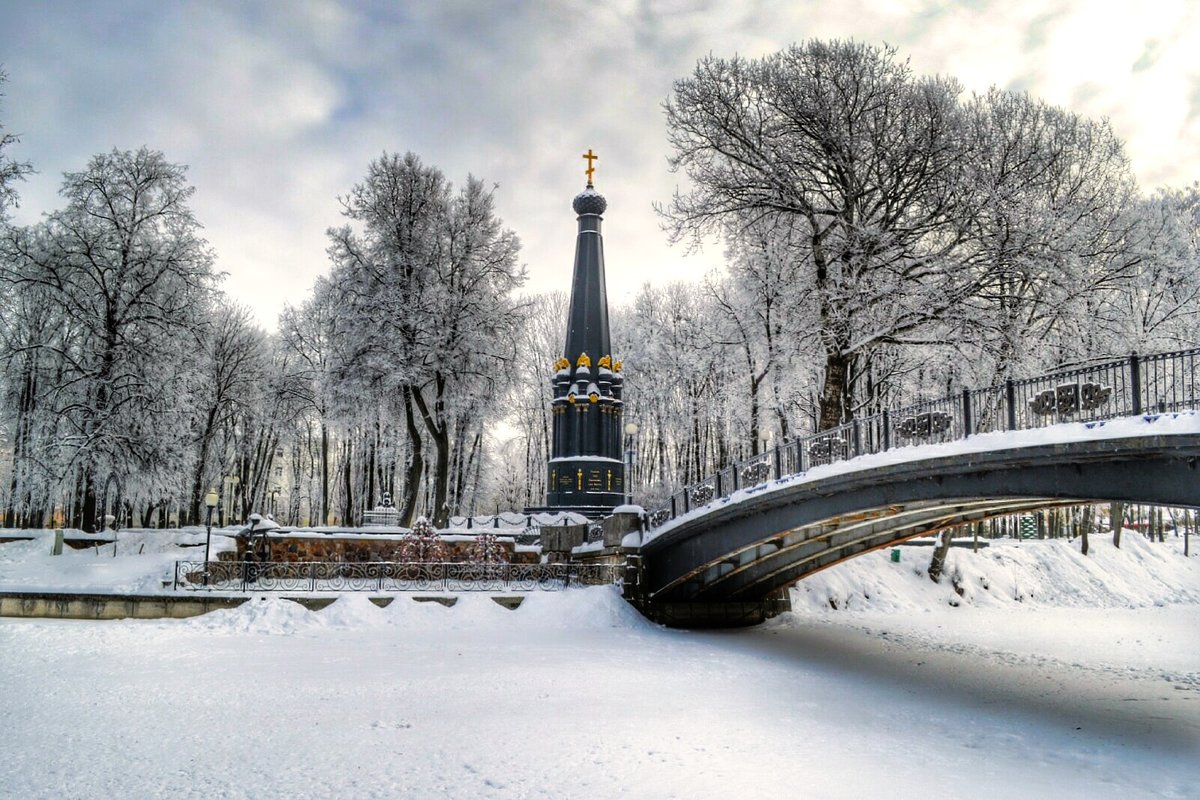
(725, 549)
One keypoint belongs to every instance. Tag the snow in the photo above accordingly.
(1146, 425)
(1052, 674)
(137, 563)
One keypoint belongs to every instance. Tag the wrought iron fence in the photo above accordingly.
(387, 576)
(1155, 384)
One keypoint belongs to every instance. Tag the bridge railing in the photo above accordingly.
(1158, 383)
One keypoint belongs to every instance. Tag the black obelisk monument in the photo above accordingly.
(586, 473)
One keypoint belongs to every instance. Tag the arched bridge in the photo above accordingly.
(728, 547)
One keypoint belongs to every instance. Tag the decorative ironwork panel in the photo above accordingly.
(388, 576)
(1154, 384)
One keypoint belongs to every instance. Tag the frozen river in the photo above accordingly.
(1046, 673)
(575, 696)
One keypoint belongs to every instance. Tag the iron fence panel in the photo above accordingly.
(1159, 383)
(388, 576)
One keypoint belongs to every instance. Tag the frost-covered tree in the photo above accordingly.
(1052, 230)
(426, 276)
(854, 162)
(306, 333)
(232, 377)
(1158, 306)
(423, 545)
(125, 267)
(10, 171)
(677, 386)
(486, 549)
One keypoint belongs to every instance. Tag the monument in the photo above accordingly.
(586, 470)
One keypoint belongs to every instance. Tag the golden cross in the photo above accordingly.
(590, 156)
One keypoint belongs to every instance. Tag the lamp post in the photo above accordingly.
(631, 430)
(210, 501)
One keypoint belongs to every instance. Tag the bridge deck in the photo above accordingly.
(746, 547)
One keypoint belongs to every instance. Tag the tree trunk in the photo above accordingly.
(834, 411)
(412, 473)
(347, 484)
(1116, 519)
(324, 474)
(206, 436)
(1083, 530)
(938, 564)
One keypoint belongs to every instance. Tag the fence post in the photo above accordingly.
(1135, 382)
(687, 500)
(718, 482)
(778, 464)
(1010, 400)
(968, 423)
(856, 437)
(672, 506)
(496, 521)
(887, 430)
(469, 520)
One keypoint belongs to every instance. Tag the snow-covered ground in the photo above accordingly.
(1051, 675)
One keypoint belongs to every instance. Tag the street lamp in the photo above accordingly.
(764, 436)
(631, 430)
(210, 501)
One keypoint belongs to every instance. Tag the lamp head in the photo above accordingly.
(212, 498)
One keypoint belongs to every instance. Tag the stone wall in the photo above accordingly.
(283, 547)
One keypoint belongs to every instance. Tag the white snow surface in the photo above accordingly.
(1052, 674)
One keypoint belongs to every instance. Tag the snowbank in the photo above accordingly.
(1037, 572)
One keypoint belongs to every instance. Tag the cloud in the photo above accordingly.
(278, 108)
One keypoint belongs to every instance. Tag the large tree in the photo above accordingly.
(10, 171)
(855, 163)
(426, 276)
(126, 269)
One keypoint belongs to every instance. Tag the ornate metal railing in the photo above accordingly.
(1130, 386)
(387, 576)
(524, 528)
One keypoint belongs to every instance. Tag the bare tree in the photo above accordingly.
(125, 264)
(10, 171)
(852, 158)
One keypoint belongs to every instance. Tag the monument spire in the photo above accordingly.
(586, 470)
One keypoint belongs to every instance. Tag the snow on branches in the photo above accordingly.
(488, 550)
(423, 545)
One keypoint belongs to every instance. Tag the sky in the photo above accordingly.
(277, 108)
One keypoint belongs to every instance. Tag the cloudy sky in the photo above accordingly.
(277, 107)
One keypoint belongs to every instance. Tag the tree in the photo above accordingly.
(1156, 307)
(854, 163)
(233, 372)
(124, 264)
(486, 549)
(1052, 231)
(10, 171)
(423, 545)
(426, 276)
(307, 334)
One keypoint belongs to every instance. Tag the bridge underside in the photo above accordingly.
(735, 562)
